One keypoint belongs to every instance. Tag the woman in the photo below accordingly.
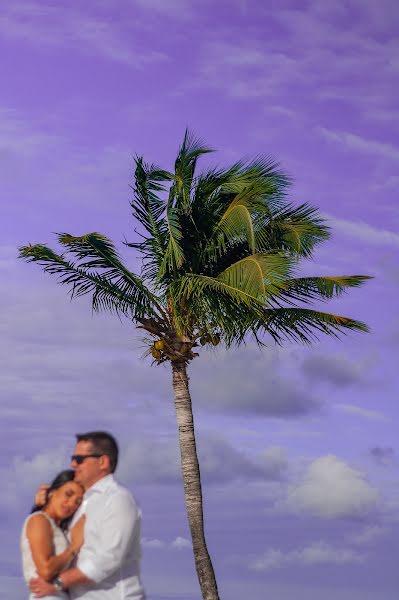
(46, 550)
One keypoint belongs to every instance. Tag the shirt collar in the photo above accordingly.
(101, 485)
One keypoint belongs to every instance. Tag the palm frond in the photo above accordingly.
(148, 208)
(236, 222)
(307, 289)
(146, 204)
(191, 149)
(297, 229)
(174, 255)
(193, 286)
(98, 271)
(258, 275)
(303, 325)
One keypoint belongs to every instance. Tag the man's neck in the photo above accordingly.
(96, 481)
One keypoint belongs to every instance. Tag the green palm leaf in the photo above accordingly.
(97, 271)
(191, 149)
(303, 325)
(307, 289)
(295, 229)
(258, 275)
(174, 255)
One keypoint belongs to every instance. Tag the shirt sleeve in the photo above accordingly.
(108, 537)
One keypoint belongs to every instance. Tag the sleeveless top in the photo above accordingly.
(60, 542)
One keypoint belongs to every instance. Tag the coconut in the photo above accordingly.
(216, 339)
(159, 345)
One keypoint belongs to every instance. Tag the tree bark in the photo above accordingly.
(192, 481)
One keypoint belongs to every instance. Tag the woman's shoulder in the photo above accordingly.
(37, 521)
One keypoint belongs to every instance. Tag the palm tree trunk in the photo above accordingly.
(192, 481)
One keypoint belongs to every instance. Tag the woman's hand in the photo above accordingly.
(41, 588)
(77, 534)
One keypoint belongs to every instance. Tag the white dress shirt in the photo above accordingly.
(110, 555)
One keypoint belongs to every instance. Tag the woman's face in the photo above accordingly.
(65, 500)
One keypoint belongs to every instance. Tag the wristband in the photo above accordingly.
(58, 584)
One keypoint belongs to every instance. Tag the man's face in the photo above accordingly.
(91, 469)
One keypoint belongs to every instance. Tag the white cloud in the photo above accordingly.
(317, 553)
(274, 459)
(179, 543)
(24, 475)
(336, 368)
(364, 231)
(41, 468)
(46, 25)
(271, 559)
(358, 143)
(369, 534)
(331, 489)
(21, 138)
(322, 553)
(145, 460)
(172, 8)
(254, 381)
(159, 462)
(373, 415)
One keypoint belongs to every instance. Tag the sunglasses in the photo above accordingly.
(80, 458)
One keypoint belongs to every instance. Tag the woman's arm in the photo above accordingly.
(40, 536)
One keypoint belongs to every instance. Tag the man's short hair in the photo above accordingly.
(103, 443)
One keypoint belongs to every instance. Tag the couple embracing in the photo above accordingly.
(82, 539)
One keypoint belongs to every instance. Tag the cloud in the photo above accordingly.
(24, 475)
(23, 139)
(220, 462)
(373, 415)
(179, 543)
(368, 535)
(361, 144)
(251, 381)
(332, 489)
(335, 369)
(274, 460)
(171, 8)
(288, 59)
(45, 25)
(147, 461)
(383, 455)
(270, 69)
(317, 553)
(364, 231)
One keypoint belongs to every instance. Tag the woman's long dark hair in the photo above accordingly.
(60, 480)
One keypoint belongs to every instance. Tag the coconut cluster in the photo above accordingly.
(180, 348)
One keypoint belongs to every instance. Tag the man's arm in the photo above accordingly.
(70, 578)
(107, 538)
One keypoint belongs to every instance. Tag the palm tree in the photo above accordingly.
(219, 250)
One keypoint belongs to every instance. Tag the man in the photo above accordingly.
(108, 564)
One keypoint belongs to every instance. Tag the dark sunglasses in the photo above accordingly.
(79, 458)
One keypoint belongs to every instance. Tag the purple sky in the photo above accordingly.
(298, 446)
